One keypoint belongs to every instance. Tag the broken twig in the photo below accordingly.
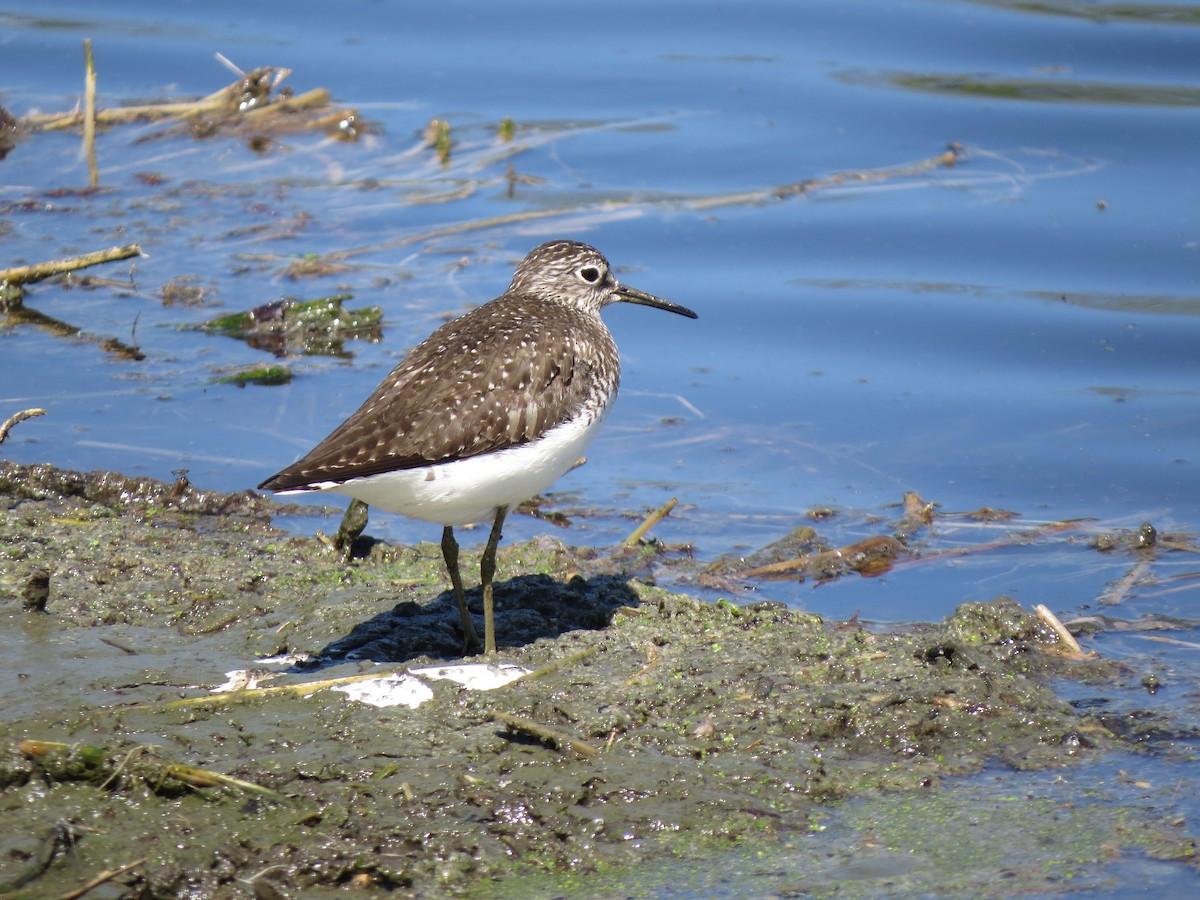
(649, 522)
(872, 555)
(18, 417)
(1044, 613)
(39, 271)
(105, 876)
(301, 689)
(89, 112)
(1117, 592)
(554, 665)
(543, 733)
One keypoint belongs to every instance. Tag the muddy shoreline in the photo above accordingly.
(715, 727)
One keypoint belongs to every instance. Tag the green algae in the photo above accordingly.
(312, 327)
(723, 731)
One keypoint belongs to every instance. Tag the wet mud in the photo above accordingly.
(666, 732)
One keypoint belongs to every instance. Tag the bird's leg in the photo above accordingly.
(487, 571)
(450, 555)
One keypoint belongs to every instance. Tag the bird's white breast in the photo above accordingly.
(470, 490)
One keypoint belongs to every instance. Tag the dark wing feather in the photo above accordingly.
(457, 395)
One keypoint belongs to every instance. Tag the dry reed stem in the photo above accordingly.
(103, 877)
(17, 417)
(38, 271)
(1046, 615)
(89, 112)
(649, 522)
(545, 733)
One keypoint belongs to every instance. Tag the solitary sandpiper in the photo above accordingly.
(487, 411)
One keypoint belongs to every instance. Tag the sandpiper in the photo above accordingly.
(488, 411)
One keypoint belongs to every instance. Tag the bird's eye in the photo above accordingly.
(590, 274)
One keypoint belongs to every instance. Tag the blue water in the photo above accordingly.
(1018, 331)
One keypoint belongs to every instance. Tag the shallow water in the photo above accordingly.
(1017, 331)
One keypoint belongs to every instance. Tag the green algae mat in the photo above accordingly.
(656, 743)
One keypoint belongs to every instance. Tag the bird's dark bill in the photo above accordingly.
(633, 295)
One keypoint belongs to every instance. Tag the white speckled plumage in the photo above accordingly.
(489, 410)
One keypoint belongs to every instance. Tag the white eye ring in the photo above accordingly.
(590, 274)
